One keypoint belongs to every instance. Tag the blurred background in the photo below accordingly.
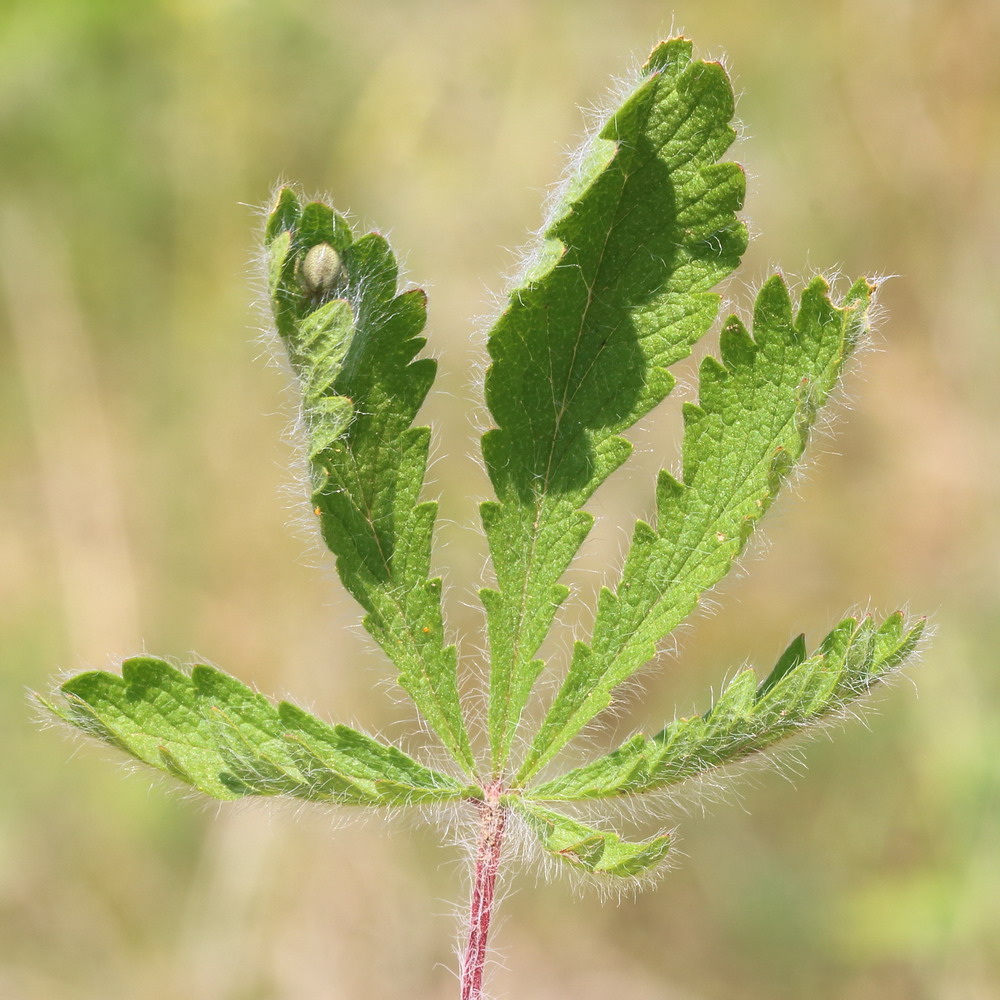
(146, 502)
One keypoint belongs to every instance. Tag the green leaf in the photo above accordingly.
(351, 340)
(216, 734)
(789, 660)
(619, 291)
(750, 426)
(749, 718)
(597, 851)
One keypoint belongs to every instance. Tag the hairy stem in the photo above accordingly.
(492, 819)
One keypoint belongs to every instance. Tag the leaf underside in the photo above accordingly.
(750, 717)
(219, 736)
(583, 847)
(620, 290)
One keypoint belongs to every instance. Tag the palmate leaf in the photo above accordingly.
(621, 290)
(748, 717)
(222, 738)
(751, 424)
(600, 852)
(351, 340)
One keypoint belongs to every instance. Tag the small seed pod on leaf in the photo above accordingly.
(322, 270)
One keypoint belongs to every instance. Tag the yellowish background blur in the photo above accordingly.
(145, 502)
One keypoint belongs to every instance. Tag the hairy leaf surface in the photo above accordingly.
(224, 739)
(749, 717)
(598, 851)
(351, 340)
(620, 291)
(751, 424)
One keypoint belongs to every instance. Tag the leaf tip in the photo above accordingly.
(283, 213)
(672, 53)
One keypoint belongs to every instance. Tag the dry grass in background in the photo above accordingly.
(143, 470)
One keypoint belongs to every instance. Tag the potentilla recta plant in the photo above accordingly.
(617, 289)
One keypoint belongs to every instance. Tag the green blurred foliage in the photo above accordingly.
(145, 506)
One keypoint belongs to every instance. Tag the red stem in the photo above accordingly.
(492, 818)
